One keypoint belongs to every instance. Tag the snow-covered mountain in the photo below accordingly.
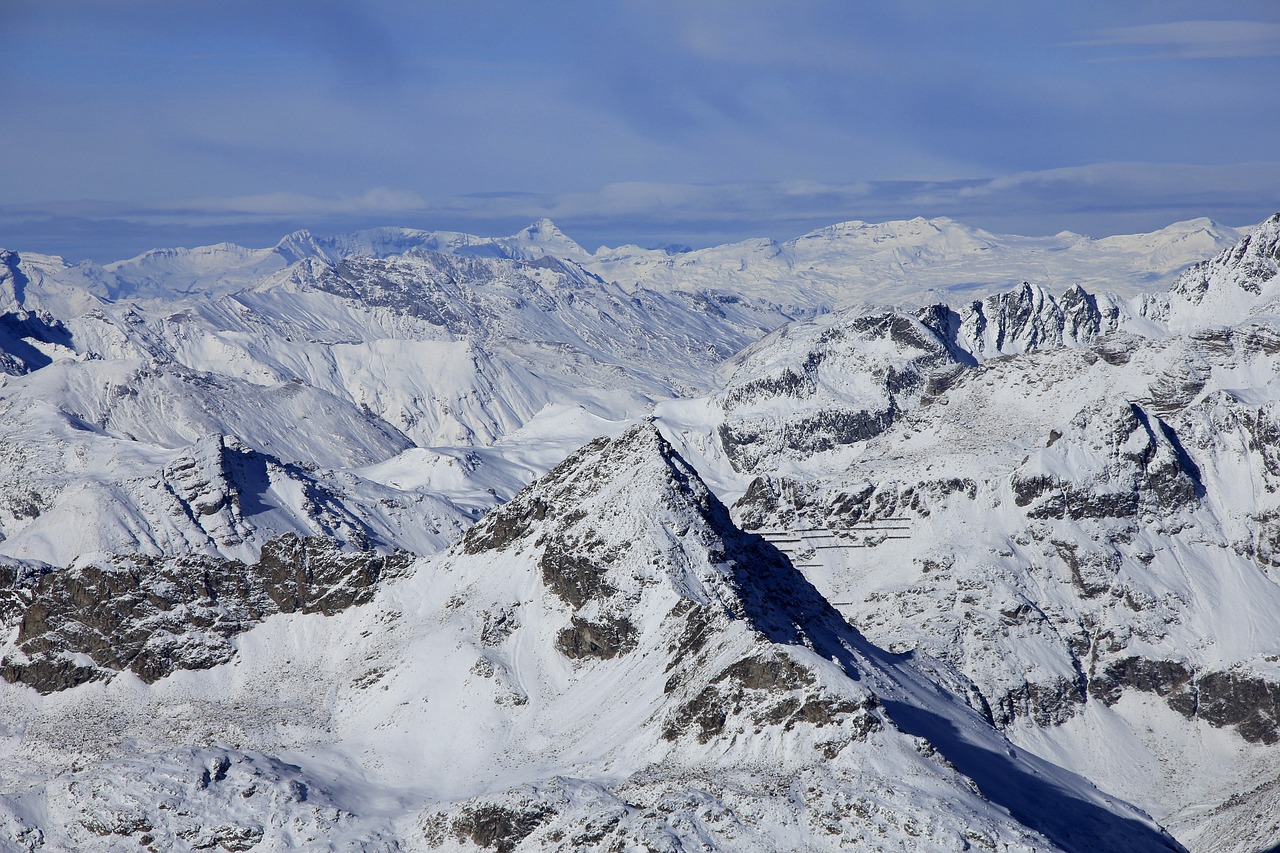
(605, 661)
(913, 261)
(310, 547)
(542, 239)
(834, 267)
(1083, 527)
(315, 372)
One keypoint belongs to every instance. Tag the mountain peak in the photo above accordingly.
(938, 232)
(636, 478)
(543, 238)
(302, 236)
(1239, 275)
(625, 516)
(544, 226)
(297, 246)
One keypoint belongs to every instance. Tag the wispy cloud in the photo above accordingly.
(663, 106)
(1190, 40)
(1098, 199)
(379, 200)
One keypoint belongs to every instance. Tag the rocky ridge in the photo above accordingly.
(1065, 523)
(152, 616)
(1022, 500)
(610, 617)
(730, 653)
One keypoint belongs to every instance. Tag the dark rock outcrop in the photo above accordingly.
(769, 690)
(1248, 703)
(603, 640)
(18, 584)
(1044, 703)
(152, 616)
(493, 826)
(896, 353)
(1144, 467)
(746, 443)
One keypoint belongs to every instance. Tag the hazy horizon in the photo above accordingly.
(648, 122)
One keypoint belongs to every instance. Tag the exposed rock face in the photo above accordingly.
(28, 337)
(18, 583)
(1161, 677)
(1224, 423)
(493, 826)
(204, 484)
(814, 433)
(777, 503)
(1029, 319)
(597, 639)
(1247, 266)
(845, 380)
(1248, 703)
(769, 689)
(782, 503)
(152, 616)
(1140, 465)
(1086, 316)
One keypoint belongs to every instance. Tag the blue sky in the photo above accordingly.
(141, 123)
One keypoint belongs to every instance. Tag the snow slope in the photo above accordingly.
(907, 262)
(605, 661)
(833, 267)
(1084, 527)
(248, 604)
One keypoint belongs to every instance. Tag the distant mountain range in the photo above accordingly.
(899, 536)
(832, 267)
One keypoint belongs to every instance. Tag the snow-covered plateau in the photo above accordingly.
(900, 536)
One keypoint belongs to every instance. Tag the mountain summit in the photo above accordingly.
(316, 545)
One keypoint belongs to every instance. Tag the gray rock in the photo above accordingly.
(152, 616)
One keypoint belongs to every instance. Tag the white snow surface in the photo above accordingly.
(449, 701)
(918, 260)
(1050, 510)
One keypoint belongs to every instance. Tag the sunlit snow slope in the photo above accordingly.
(901, 536)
